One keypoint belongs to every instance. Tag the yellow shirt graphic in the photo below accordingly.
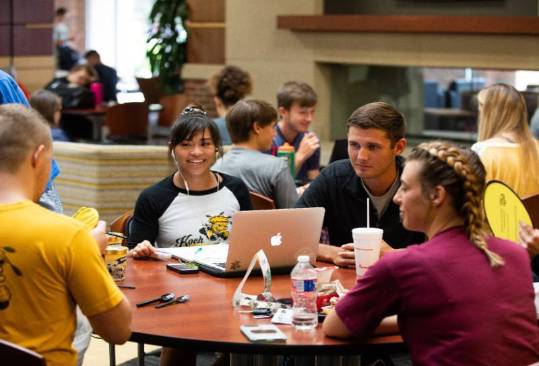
(49, 263)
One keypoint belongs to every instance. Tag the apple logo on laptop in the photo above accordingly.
(276, 240)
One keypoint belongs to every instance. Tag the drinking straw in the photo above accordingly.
(368, 213)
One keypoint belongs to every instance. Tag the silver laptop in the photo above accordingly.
(283, 234)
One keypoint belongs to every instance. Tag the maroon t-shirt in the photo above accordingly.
(452, 307)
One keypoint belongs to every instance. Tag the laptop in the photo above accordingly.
(283, 234)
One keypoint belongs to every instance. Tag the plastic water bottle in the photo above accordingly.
(305, 316)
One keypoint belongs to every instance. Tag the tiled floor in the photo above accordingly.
(98, 352)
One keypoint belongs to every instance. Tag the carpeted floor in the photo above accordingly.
(152, 359)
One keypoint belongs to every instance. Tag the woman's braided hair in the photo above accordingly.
(461, 173)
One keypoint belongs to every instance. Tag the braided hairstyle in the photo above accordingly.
(462, 175)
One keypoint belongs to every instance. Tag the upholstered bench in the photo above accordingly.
(107, 177)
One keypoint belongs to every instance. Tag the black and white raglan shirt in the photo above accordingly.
(168, 216)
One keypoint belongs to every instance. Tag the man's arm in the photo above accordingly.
(114, 325)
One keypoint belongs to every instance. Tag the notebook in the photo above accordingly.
(283, 234)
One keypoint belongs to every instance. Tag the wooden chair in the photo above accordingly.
(121, 223)
(127, 123)
(261, 202)
(532, 205)
(13, 354)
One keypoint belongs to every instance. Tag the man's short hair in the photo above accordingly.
(91, 53)
(21, 131)
(241, 117)
(381, 116)
(61, 11)
(296, 92)
(47, 104)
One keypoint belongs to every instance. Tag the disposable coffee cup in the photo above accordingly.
(367, 242)
(116, 261)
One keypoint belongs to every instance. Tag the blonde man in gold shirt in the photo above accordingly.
(48, 262)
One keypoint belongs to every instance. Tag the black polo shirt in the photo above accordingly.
(339, 190)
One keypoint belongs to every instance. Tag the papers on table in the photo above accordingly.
(204, 253)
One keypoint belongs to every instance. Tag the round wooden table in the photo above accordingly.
(209, 322)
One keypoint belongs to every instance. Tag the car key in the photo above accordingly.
(178, 300)
(163, 298)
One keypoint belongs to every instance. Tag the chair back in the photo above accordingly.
(127, 122)
(151, 89)
(532, 205)
(121, 223)
(261, 202)
(13, 354)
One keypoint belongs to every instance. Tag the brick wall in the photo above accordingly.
(197, 92)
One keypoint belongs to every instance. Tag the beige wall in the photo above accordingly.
(274, 56)
(33, 71)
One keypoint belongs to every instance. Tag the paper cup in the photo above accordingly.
(367, 243)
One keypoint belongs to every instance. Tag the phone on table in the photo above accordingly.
(183, 268)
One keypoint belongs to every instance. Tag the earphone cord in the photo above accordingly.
(187, 186)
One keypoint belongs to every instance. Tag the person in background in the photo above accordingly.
(75, 93)
(375, 142)
(251, 124)
(193, 206)
(228, 86)
(53, 264)
(66, 56)
(49, 105)
(296, 103)
(506, 146)
(10, 92)
(107, 75)
(461, 297)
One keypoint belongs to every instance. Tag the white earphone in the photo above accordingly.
(179, 171)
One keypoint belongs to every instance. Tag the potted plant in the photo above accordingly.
(167, 52)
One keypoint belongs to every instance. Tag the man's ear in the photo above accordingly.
(38, 155)
(256, 128)
(400, 146)
(282, 111)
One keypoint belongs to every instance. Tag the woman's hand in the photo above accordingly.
(529, 239)
(144, 249)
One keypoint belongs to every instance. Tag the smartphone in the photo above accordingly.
(183, 268)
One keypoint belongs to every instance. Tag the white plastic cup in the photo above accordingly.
(367, 242)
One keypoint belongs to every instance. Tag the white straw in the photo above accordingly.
(368, 213)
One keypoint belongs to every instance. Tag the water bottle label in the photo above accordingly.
(304, 285)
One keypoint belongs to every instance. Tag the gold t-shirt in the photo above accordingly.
(48, 263)
(503, 162)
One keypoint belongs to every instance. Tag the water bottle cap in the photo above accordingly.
(304, 258)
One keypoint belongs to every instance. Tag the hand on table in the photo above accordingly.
(99, 234)
(529, 239)
(144, 249)
(344, 256)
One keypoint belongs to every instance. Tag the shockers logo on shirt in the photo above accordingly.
(213, 231)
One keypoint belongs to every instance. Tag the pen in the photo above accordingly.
(118, 235)
(131, 287)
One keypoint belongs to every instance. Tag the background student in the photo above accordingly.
(461, 297)
(296, 103)
(228, 86)
(252, 127)
(506, 146)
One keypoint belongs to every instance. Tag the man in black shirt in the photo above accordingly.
(375, 141)
(107, 75)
